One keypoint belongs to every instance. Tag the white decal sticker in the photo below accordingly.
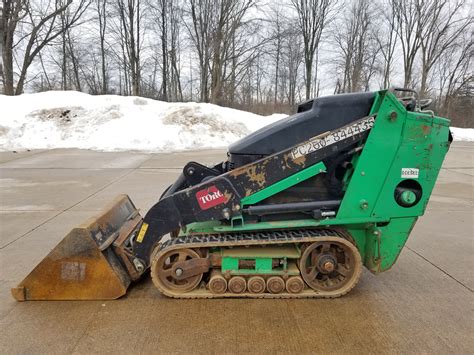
(410, 173)
(324, 140)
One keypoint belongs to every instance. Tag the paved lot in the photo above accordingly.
(424, 304)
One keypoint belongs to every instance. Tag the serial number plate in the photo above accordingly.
(319, 142)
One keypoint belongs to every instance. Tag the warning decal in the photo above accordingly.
(142, 232)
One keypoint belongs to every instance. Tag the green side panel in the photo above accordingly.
(375, 107)
(230, 264)
(284, 184)
(263, 258)
(411, 140)
(262, 265)
(375, 160)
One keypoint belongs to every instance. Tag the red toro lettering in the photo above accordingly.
(210, 197)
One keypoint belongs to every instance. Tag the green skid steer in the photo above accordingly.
(295, 211)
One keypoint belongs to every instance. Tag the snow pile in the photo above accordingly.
(67, 119)
(463, 134)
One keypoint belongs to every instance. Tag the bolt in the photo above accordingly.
(138, 265)
(190, 171)
(226, 213)
(178, 272)
(328, 266)
(362, 173)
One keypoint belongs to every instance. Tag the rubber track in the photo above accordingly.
(249, 239)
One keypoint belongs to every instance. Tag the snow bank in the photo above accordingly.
(463, 134)
(67, 119)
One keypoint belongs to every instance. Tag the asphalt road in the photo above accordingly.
(423, 304)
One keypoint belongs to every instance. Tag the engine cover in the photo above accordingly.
(313, 118)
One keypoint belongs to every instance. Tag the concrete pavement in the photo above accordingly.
(424, 304)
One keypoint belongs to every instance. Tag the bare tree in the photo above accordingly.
(12, 13)
(216, 29)
(313, 16)
(69, 62)
(441, 24)
(387, 41)
(130, 17)
(456, 79)
(277, 35)
(101, 8)
(292, 58)
(168, 15)
(408, 29)
(229, 21)
(175, 15)
(202, 13)
(44, 26)
(355, 40)
(164, 45)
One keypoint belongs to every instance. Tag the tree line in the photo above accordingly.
(258, 55)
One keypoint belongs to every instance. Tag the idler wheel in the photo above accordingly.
(217, 283)
(295, 284)
(331, 267)
(275, 284)
(256, 284)
(237, 284)
(165, 274)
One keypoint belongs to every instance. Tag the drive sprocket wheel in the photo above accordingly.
(165, 275)
(332, 266)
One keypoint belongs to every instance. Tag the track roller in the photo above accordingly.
(256, 284)
(237, 284)
(295, 284)
(217, 282)
(275, 284)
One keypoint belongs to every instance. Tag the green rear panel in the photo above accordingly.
(412, 140)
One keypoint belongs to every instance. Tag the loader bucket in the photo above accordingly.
(90, 263)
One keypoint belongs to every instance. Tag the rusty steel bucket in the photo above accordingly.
(93, 262)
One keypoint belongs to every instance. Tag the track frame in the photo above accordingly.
(264, 238)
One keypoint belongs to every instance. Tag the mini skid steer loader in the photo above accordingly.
(295, 211)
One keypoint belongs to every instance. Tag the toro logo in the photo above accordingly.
(210, 197)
